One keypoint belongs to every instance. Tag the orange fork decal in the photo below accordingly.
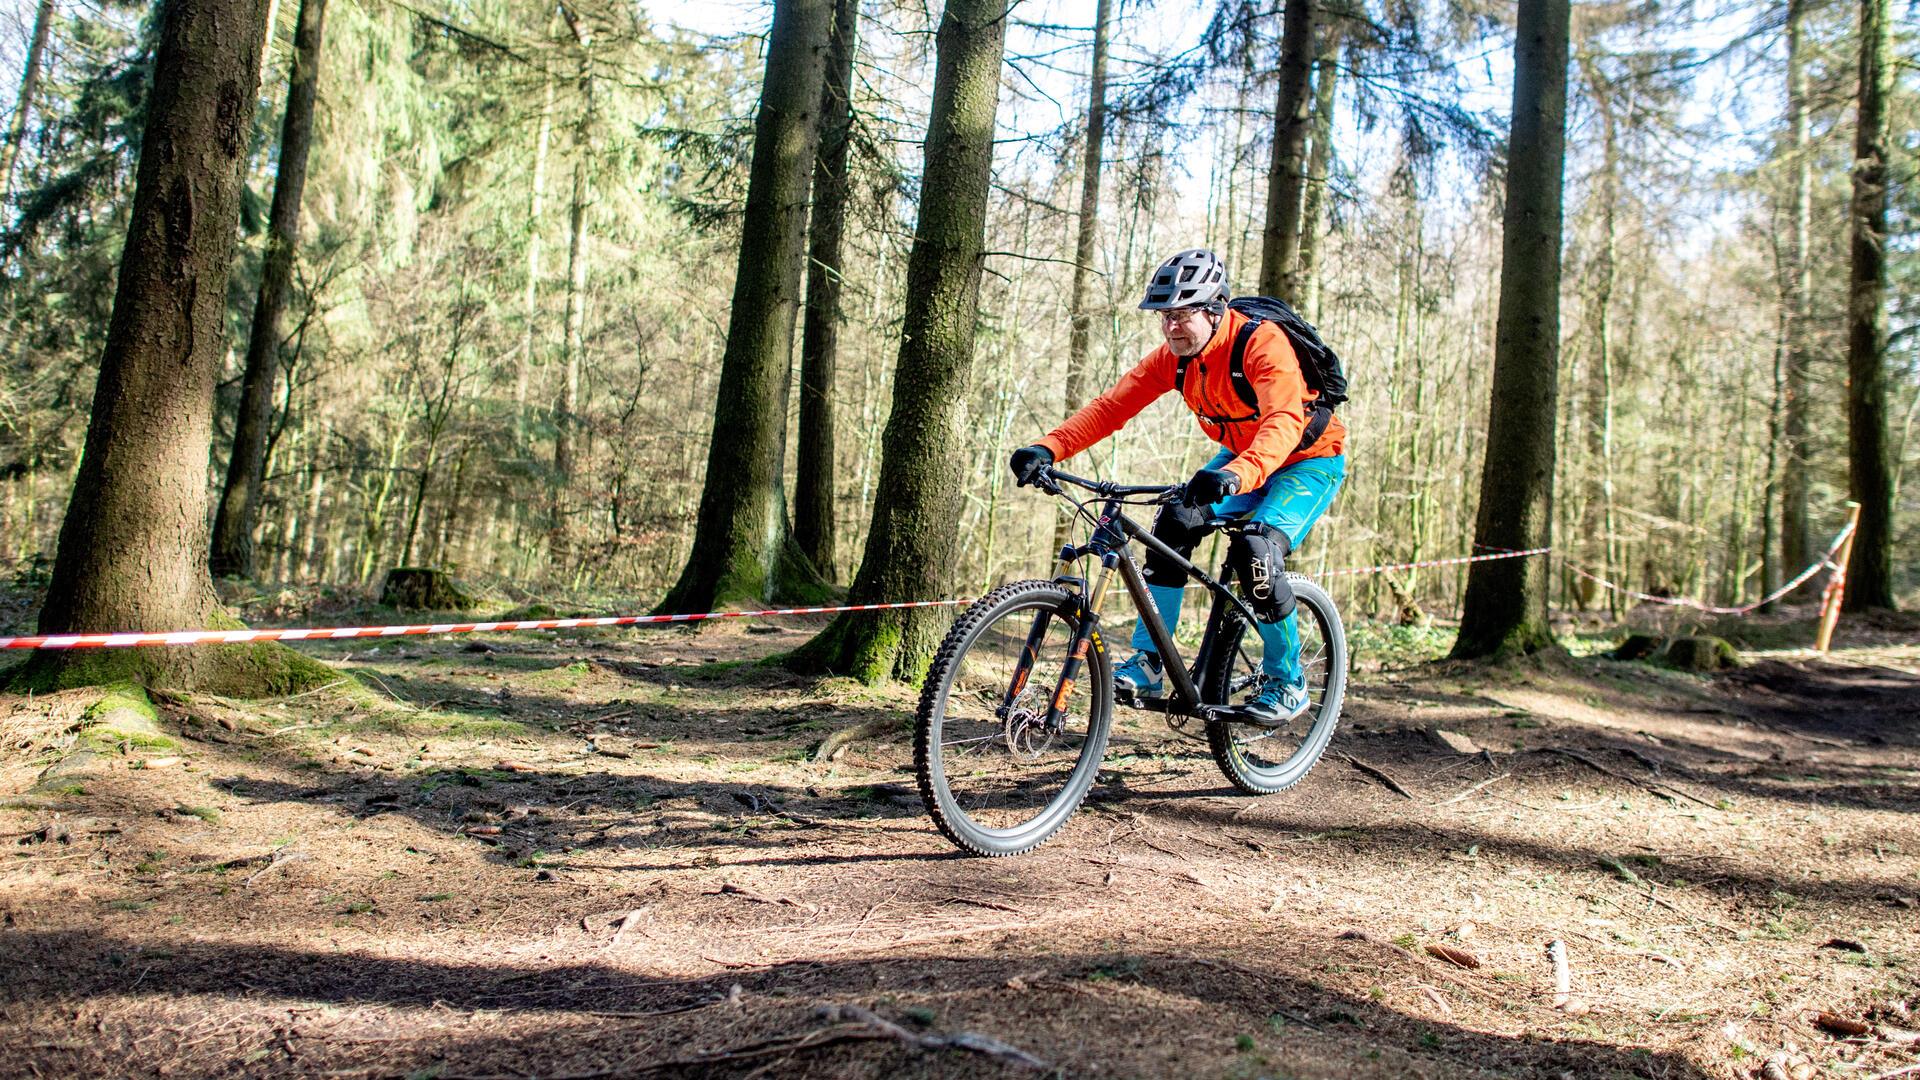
(1029, 655)
(1060, 695)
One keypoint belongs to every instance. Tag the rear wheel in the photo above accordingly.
(998, 778)
(1264, 760)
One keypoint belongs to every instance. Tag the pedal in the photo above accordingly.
(1132, 699)
(1234, 714)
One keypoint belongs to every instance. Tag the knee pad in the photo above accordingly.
(1180, 528)
(1259, 554)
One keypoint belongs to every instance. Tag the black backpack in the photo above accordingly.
(1319, 365)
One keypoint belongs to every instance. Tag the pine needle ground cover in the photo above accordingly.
(626, 855)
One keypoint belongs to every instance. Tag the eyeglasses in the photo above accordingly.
(1174, 315)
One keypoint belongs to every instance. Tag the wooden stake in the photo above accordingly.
(1837, 585)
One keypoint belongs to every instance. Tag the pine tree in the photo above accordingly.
(741, 548)
(912, 540)
(133, 547)
(239, 511)
(813, 525)
(1506, 603)
(1870, 468)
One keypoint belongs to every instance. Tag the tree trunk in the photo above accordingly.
(1596, 522)
(1795, 552)
(1326, 81)
(530, 298)
(29, 82)
(1506, 602)
(133, 548)
(567, 398)
(1870, 470)
(813, 518)
(233, 524)
(1080, 330)
(1280, 246)
(912, 539)
(740, 539)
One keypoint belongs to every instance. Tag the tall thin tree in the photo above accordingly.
(1087, 229)
(239, 512)
(1869, 461)
(1506, 603)
(133, 547)
(912, 539)
(741, 546)
(1286, 182)
(1796, 282)
(29, 85)
(1326, 83)
(813, 523)
(566, 399)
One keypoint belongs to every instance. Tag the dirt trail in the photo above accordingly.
(612, 855)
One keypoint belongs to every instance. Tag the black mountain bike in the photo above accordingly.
(1017, 707)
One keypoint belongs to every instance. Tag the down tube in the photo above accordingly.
(1174, 666)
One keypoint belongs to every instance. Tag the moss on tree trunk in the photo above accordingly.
(741, 547)
(910, 543)
(133, 546)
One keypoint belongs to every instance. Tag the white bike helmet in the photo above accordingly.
(1192, 278)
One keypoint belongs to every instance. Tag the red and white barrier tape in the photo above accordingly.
(1825, 562)
(1456, 561)
(237, 637)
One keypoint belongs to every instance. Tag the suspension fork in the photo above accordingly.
(1082, 640)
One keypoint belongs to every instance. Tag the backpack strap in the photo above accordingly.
(1237, 368)
(1317, 418)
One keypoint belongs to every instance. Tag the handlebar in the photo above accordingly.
(1050, 478)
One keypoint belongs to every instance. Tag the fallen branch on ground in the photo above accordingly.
(1665, 791)
(1393, 785)
(1474, 790)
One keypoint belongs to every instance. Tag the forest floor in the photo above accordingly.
(613, 854)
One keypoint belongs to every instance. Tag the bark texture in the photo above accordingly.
(813, 525)
(740, 539)
(133, 547)
(239, 512)
(1506, 603)
(910, 545)
(1869, 458)
(1280, 245)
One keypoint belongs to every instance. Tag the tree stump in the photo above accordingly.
(1636, 647)
(423, 587)
(1703, 653)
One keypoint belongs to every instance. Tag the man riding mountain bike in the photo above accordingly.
(1281, 462)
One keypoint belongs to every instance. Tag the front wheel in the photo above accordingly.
(997, 775)
(1264, 760)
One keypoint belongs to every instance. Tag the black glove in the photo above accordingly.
(1209, 486)
(1027, 462)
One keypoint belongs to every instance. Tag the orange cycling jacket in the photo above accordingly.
(1263, 444)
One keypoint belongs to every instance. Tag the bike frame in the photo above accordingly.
(1112, 534)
